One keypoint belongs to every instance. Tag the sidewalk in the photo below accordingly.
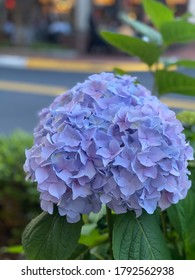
(70, 60)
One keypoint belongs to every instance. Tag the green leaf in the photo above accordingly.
(152, 34)
(17, 249)
(174, 82)
(179, 31)
(119, 71)
(183, 63)
(147, 52)
(138, 238)
(181, 216)
(186, 16)
(93, 239)
(80, 253)
(50, 237)
(157, 12)
(100, 252)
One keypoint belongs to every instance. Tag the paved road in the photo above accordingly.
(24, 92)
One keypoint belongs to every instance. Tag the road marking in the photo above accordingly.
(31, 88)
(46, 90)
(93, 65)
(85, 65)
(179, 103)
(74, 65)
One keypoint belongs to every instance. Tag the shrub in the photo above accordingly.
(18, 198)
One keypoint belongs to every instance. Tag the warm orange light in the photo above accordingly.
(104, 2)
(63, 6)
(175, 2)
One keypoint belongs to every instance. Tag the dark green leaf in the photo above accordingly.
(192, 168)
(100, 252)
(181, 216)
(80, 253)
(147, 52)
(138, 238)
(119, 71)
(157, 12)
(179, 31)
(50, 237)
(144, 29)
(184, 63)
(174, 82)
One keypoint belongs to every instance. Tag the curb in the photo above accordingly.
(13, 61)
(88, 65)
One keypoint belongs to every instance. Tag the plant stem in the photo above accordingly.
(154, 87)
(110, 229)
(164, 226)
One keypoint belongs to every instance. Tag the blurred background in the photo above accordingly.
(69, 23)
(46, 47)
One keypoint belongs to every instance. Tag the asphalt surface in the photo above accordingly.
(24, 92)
(19, 106)
(19, 110)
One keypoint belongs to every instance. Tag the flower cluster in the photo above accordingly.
(108, 141)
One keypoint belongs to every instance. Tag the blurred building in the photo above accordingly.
(72, 23)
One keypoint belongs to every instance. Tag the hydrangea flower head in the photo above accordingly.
(108, 141)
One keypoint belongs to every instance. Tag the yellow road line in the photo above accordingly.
(53, 91)
(31, 88)
(93, 65)
(179, 103)
(85, 66)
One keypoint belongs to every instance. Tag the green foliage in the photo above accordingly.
(163, 235)
(157, 12)
(181, 217)
(167, 30)
(138, 238)
(175, 82)
(181, 222)
(12, 156)
(178, 31)
(147, 52)
(19, 200)
(187, 118)
(182, 62)
(80, 253)
(50, 237)
(152, 34)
